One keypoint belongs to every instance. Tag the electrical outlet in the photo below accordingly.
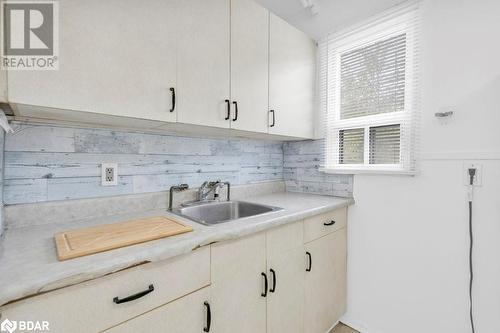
(478, 177)
(109, 174)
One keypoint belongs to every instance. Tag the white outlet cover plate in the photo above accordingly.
(104, 181)
(478, 178)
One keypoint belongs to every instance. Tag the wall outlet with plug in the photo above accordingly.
(109, 174)
(478, 177)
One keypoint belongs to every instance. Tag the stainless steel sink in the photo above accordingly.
(215, 212)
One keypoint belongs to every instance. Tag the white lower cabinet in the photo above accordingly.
(286, 273)
(258, 282)
(102, 303)
(189, 314)
(237, 285)
(325, 282)
(268, 282)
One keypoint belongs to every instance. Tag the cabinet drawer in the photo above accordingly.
(321, 225)
(187, 315)
(90, 306)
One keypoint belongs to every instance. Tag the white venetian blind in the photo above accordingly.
(369, 94)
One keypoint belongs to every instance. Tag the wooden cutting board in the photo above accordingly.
(82, 242)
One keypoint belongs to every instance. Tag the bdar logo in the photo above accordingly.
(8, 326)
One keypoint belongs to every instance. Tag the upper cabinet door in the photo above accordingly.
(116, 57)
(249, 65)
(203, 62)
(291, 80)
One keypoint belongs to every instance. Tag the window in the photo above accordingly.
(369, 95)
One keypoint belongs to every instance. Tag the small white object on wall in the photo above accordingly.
(109, 174)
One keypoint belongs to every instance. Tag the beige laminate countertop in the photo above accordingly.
(29, 264)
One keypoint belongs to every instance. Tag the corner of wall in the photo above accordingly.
(301, 163)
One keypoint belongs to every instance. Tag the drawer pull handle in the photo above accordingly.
(332, 222)
(235, 110)
(264, 294)
(135, 296)
(173, 99)
(308, 269)
(209, 317)
(273, 288)
(228, 103)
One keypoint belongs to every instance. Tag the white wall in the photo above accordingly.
(408, 236)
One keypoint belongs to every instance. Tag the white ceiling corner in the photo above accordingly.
(317, 18)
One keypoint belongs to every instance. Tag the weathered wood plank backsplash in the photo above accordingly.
(48, 162)
(302, 161)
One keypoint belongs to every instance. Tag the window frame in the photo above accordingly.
(361, 37)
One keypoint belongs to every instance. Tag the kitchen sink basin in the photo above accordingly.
(215, 212)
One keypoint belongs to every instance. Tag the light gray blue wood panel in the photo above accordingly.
(49, 162)
(40, 138)
(86, 187)
(25, 190)
(301, 170)
(57, 165)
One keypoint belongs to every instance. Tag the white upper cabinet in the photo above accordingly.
(172, 64)
(291, 80)
(249, 65)
(203, 62)
(117, 57)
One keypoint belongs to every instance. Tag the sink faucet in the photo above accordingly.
(175, 188)
(208, 187)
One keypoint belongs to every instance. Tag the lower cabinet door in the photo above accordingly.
(325, 282)
(189, 314)
(238, 285)
(285, 300)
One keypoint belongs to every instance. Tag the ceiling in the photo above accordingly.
(333, 15)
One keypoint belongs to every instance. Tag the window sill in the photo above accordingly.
(368, 172)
